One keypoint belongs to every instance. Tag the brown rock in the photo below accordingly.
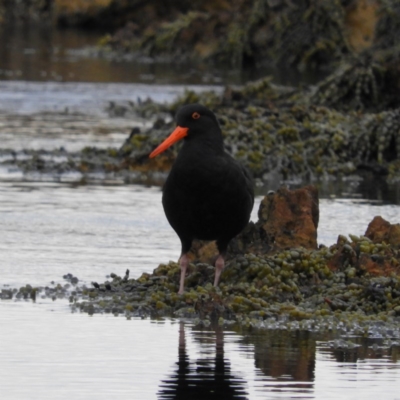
(384, 263)
(375, 265)
(378, 266)
(287, 219)
(290, 217)
(379, 230)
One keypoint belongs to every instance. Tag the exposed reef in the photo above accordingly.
(273, 130)
(280, 130)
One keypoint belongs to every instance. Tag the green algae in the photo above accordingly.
(324, 290)
(297, 284)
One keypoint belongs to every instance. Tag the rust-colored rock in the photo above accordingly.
(384, 262)
(373, 264)
(290, 217)
(379, 230)
(378, 266)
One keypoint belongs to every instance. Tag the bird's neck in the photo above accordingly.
(211, 144)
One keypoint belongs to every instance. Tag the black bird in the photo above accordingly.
(208, 195)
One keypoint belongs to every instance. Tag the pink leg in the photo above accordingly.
(219, 266)
(183, 262)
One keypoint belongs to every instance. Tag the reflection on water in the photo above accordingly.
(208, 377)
(287, 357)
(213, 363)
(43, 53)
(47, 353)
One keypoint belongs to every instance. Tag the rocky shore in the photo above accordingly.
(275, 131)
(285, 282)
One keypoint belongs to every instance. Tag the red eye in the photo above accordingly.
(195, 115)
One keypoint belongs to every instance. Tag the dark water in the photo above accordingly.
(50, 227)
(42, 53)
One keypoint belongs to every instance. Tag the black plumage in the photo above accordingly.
(208, 195)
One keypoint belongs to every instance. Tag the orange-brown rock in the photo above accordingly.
(374, 264)
(379, 230)
(382, 263)
(378, 266)
(290, 218)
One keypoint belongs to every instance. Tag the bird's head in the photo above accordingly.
(192, 120)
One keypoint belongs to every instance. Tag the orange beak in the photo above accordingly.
(178, 134)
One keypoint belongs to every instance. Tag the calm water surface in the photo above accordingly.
(49, 228)
(41, 53)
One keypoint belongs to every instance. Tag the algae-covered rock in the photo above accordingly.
(293, 289)
(379, 230)
(276, 131)
(356, 280)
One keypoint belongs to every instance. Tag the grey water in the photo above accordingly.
(49, 228)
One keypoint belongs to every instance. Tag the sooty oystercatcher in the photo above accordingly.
(208, 195)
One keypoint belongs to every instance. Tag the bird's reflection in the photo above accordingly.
(204, 378)
(283, 356)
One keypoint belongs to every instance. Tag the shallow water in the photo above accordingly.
(87, 99)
